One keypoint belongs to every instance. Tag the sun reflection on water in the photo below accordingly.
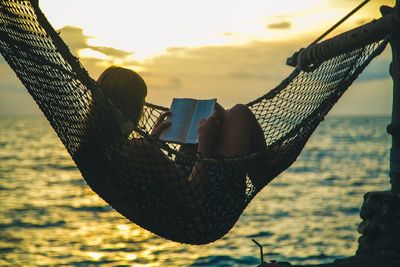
(309, 214)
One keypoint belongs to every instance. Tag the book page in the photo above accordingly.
(203, 110)
(180, 118)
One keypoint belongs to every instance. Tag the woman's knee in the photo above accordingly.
(240, 111)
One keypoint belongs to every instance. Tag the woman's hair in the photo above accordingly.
(126, 89)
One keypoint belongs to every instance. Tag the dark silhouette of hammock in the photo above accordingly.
(127, 176)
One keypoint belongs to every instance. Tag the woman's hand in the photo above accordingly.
(161, 124)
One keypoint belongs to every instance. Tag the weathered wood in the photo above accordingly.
(348, 41)
(394, 127)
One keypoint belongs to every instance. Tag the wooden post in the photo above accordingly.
(380, 211)
(351, 40)
(394, 127)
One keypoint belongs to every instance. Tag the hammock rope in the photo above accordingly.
(132, 177)
(340, 22)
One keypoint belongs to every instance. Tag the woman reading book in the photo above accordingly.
(226, 133)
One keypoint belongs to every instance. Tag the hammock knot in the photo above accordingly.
(306, 62)
(301, 60)
(393, 129)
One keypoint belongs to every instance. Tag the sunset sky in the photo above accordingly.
(230, 49)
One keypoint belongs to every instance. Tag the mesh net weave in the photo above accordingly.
(145, 179)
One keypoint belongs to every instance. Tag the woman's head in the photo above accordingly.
(126, 89)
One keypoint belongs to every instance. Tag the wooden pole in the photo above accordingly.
(348, 41)
(340, 22)
(394, 127)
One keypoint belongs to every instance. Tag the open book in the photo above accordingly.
(185, 116)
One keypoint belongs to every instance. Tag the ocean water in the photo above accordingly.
(309, 214)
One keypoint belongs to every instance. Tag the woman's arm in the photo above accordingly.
(208, 137)
(186, 189)
(189, 190)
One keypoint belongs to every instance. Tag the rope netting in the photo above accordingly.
(147, 180)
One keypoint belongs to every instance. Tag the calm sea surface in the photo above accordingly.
(309, 214)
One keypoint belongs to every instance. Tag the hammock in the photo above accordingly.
(127, 176)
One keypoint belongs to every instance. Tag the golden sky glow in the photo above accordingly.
(149, 27)
(229, 49)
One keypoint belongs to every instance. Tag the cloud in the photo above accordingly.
(176, 49)
(354, 3)
(95, 58)
(246, 75)
(116, 53)
(280, 25)
(363, 21)
(366, 14)
(233, 74)
(78, 42)
(75, 38)
(239, 74)
(14, 98)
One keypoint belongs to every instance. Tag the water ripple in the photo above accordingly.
(309, 214)
(27, 225)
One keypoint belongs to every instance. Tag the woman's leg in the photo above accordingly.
(241, 134)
